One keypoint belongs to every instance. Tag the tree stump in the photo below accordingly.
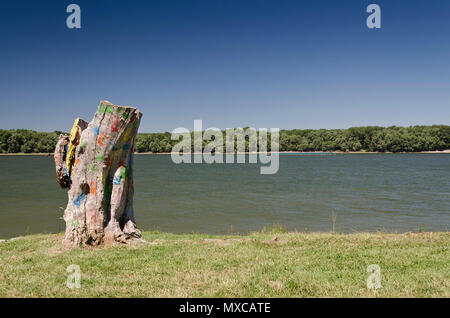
(96, 164)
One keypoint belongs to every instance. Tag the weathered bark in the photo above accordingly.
(95, 162)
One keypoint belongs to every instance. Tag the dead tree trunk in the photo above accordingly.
(96, 163)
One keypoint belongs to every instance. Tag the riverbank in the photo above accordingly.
(265, 264)
(322, 152)
(281, 152)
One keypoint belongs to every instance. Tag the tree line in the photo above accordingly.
(371, 138)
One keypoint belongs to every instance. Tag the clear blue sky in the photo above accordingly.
(284, 64)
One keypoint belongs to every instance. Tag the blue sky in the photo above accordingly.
(285, 64)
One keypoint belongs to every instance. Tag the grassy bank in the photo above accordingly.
(257, 265)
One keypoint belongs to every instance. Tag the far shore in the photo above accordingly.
(281, 152)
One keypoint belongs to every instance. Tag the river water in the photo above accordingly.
(367, 192)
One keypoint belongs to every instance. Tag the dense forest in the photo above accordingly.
(373, 138)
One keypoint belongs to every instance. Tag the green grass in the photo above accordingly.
(265, 264)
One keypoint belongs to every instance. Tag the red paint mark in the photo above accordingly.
(115, 124)
(93, 216)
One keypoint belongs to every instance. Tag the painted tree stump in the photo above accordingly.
(96, 164)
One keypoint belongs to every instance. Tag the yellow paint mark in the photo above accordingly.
(125, 135)
(74, 135)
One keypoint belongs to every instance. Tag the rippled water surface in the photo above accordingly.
(392, 192)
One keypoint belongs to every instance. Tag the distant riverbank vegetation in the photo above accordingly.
(365, 139)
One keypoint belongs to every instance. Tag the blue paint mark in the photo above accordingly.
(116, 180)
(126, 147)
(66, 173)
(96, 130)
(78, 200)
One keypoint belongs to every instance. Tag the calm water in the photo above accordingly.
(397, 192)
